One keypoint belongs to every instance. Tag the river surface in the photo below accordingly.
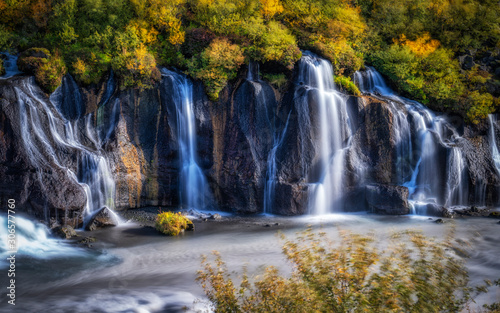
(134, 269)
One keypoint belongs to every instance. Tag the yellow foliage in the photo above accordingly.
(422, 46)
(142, 60)
(40, 11)
(172, 224)
(205, 2)
(270, 8)
(79, 66)
(176, 34)
(143, 31)
(440, 7)
(165, 16)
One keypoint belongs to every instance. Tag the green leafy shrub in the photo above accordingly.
(480, 105)
(171, 224)
(399, 64)
(345, 60)
(271, 42)
(217, 64)
(432, 78)
(136, 68)
(197, 40)
(48, 69)
(6, 38)
(2, 69)
(414, 43)
(413, 274)
(223, 17)
(90, 68)
(347, 85)
(50, 73)
(30, 60)
(278, 81)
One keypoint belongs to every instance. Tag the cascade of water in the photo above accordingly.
(43, 146)
(104, 131)
(10, 65)
(424, 183)
(333, 122)
(110, 89)
(193, 185)
(253, 71)
(272, 169)
(33, 240)
(494, 148)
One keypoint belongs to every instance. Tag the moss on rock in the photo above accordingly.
(48, 69)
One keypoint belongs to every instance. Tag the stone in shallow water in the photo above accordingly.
(385, 199)
(66, 232)
(104, 218)
(216, 217)
(437, 210)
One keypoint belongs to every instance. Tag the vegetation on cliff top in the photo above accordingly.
(414, 274)
(172, 224)
(416, 44)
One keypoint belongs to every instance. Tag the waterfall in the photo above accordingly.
(494, 148)
(427, 182)
(49, 139)
(33, 241)
(272, 169)
(253, 71)
(105, 131)
(194, 191)
(10, 65)
(332, 126)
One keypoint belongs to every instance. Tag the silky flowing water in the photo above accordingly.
(131, 269)
(193, 184)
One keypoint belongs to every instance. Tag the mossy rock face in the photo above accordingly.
(48, 69)
(36, 52)
(30, 60)
(2, 69)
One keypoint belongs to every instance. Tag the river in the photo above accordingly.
(134, 269)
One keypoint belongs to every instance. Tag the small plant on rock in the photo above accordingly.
(171, 224)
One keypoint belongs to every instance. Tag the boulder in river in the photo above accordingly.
(386, 199)
(65, 232)
(103, 218)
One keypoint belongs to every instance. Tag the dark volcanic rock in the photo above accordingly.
(483, 177)
(290, 199)
(375, 143)
(103, 218)
(466, 62)
(27, 167)
(391, 200)
(243, 127)
(355, 199)
(137, 132)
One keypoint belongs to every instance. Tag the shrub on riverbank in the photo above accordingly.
(413, 274)
(171, 224)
